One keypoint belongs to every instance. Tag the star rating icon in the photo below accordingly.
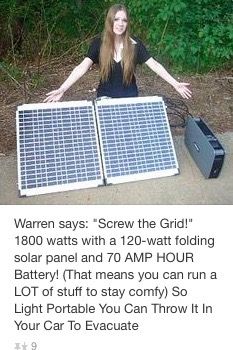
(24, 346)
(19, 346)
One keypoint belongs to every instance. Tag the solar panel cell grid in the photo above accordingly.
(57, 146)
(135, 138)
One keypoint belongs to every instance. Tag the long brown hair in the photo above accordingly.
(108, 47)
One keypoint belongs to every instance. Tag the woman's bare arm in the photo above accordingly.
(161, 71)
(75, 75)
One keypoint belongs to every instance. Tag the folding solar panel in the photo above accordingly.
(71, 145)
(135, 139)
(57, 147)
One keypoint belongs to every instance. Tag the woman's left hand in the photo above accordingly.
(183, 90)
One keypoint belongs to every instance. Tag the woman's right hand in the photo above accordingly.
(54, 96)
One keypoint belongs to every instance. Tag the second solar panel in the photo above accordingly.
(135, 139)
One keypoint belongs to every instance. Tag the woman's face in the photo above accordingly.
(120, 23)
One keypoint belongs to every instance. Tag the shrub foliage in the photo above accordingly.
(192, 35)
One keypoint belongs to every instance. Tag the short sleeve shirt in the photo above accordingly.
(114, 86)
(141, 53)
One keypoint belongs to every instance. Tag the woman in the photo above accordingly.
(117, 55)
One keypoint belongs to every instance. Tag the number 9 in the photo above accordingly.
(34, 346)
